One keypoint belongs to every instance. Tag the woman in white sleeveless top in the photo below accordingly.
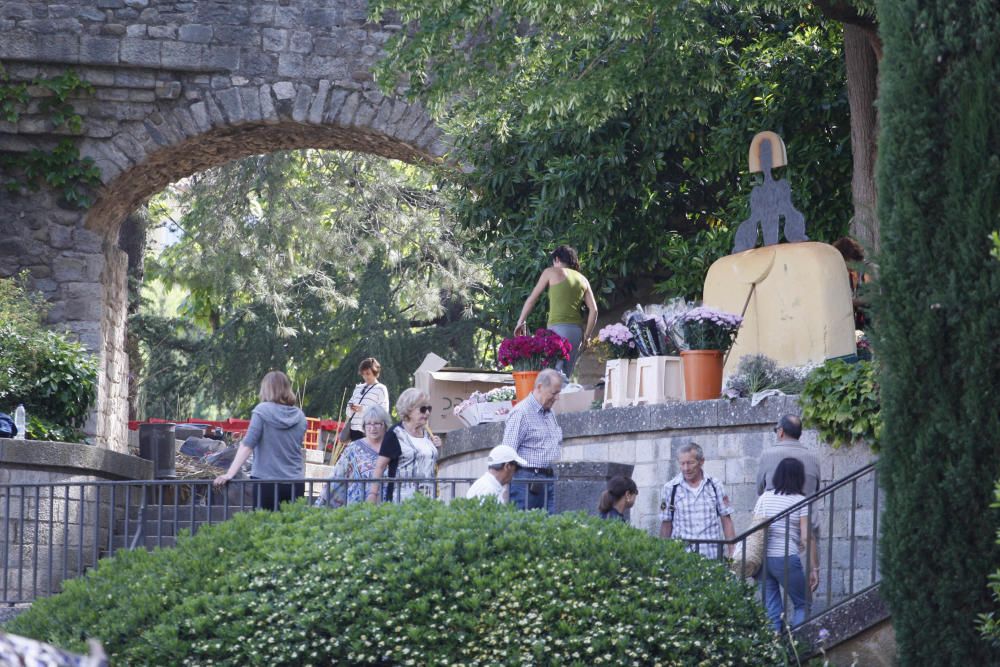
(410, 446)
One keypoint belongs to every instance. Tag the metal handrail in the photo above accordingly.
(722, 547)
(50, 532)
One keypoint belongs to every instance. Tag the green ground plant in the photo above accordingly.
(53, 376)
(415, 584)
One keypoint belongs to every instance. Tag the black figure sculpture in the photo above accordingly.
(769, 202)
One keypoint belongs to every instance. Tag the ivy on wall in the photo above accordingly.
(60, 168)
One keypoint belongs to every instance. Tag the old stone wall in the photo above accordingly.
(733, 434)
(54, 524)
(179, 87)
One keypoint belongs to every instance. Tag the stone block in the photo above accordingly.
(300, 42)
(61, 47)
(140, 52)
(303, 96)
(168, 90)
(232, 104)
(622, 452)
(162, 31)
(328, 46)
(323, 18)
(284, 90)
(182, 54)
(735, 471)
(214, 112)
(126, 78)
(251, 103)
(60, 236)
(275, 39)
(99, 50)
(347, 109)
(318, 105)
(237, 35)
(19, 46)
(262, 14)
(195, 32)
(222, 57)
(267, 110)
(288, 17)
(291, 64)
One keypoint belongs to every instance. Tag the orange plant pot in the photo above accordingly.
(702, 374)
(524, 383)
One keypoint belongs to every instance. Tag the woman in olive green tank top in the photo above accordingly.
(568, 291)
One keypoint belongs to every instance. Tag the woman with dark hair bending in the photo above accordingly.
(568, 291)
(618, 497)
(781, 568)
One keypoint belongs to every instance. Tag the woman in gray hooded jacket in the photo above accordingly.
(274, 437)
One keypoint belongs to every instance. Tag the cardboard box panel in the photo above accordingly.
(447, 388)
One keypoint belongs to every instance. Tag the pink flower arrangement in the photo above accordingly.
(705, 328)
(533, 353)
(620, 341)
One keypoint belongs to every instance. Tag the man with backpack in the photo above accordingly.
(695, 507)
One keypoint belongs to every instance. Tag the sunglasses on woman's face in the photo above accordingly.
(425, 409)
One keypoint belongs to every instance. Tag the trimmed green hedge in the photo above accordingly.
(418, 584)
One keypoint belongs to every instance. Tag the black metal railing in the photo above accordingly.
(53, 532)
(844, 521)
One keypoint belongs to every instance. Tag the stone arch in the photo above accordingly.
(143, 158)
(180, 87)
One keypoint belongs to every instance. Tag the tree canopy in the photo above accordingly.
(623, 130)
(307, 261)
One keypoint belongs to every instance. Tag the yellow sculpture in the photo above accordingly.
(796, 296)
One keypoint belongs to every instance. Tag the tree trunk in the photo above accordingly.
(132, 240)
(862, 55)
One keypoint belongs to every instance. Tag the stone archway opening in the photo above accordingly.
(135, 186)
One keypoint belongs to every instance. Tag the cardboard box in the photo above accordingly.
(575, 401)
(448, 387)
(484, 413)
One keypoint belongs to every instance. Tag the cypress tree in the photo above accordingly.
(939, 322)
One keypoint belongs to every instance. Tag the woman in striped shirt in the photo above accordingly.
(785, 538)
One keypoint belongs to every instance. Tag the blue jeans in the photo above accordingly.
(774, 579)
(574, 334)
(530, 490)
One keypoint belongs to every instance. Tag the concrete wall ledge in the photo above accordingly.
(637, 420)
(19, 459)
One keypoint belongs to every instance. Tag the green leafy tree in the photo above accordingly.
(53, 376)
(938, 321)
(624, 132)
(307, 261)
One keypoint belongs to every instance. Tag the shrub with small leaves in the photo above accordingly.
(420, 583)
(55, 378)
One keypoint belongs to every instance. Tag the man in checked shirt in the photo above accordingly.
(534, 433)
(695, 507)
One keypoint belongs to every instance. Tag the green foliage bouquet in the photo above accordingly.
(705, 328)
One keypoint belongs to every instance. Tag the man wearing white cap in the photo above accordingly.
(503, 462)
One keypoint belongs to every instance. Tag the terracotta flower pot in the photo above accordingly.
(702, 374)
(524, 383)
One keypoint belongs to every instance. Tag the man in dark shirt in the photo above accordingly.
(788, 431)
